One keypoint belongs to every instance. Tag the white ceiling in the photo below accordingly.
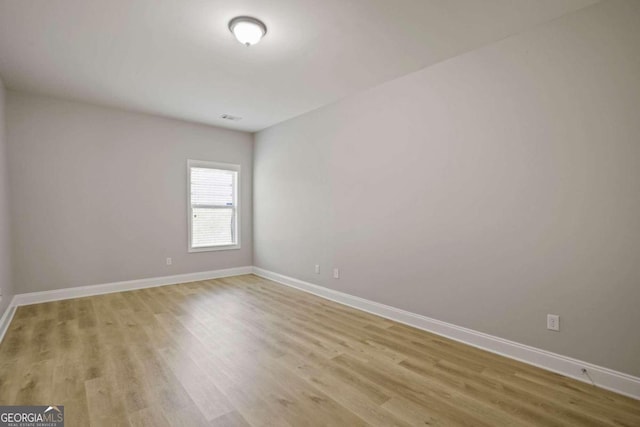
(177, 58)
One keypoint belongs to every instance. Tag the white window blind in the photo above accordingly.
(213, 196)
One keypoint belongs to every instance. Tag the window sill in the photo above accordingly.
(215, 248)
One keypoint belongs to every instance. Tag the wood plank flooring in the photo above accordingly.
(245, 351)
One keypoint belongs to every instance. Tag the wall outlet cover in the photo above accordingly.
(553, 322)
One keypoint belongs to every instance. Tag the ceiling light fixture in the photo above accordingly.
(247, 30)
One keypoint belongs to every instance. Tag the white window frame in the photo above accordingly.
(236, 204)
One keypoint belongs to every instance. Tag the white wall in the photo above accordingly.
(6, 290)
(485, 191)
(100, 195)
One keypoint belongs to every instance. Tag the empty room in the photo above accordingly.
(319, 213)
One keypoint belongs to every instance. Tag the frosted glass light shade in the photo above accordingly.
(247, 30)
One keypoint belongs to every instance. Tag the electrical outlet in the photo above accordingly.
(336, 273)
(169, 261)
(317, 268)
(553, 322)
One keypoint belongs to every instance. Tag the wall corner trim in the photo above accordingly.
(606, 378)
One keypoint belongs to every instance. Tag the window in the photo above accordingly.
(213, 206)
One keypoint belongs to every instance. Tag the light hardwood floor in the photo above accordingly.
(245, 351)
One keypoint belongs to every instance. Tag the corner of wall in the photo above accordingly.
(6, 288)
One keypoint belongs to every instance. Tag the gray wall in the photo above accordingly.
(6, 291)
(100, 195)
(485, 191)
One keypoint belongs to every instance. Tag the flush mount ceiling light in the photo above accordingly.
(247, 30)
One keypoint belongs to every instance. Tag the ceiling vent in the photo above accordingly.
(230, 117)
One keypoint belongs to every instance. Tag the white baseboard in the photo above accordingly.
(129, 285)
(6, 318)
(603, 377)
(609, 379)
